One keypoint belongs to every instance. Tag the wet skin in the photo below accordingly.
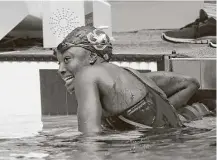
(178, 88)
(103, 89)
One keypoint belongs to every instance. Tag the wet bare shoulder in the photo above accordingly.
(119, 89)
(169, 77)
(89, 73)
(169, 82)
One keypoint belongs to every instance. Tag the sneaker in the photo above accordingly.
(212, 43)
(200, 31)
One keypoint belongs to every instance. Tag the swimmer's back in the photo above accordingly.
(123, 88)
(118, 89)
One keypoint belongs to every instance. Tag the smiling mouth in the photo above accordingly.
(68, 78)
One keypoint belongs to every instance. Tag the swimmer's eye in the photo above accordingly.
(66, 59)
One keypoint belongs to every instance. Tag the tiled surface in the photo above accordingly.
(150, 42)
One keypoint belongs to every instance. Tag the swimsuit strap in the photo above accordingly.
(164, 109)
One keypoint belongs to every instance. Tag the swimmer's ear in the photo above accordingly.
(92, 58)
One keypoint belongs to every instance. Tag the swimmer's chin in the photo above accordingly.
(71, 90)
(69, 85)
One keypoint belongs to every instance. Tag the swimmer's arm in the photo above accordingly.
(89, 105)
(178, 88)
(184, 87)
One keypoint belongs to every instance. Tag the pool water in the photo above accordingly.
(60, 140)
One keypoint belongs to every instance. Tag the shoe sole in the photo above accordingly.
(202, 40)
(212, 45)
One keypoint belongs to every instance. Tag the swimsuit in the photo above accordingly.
(151, 111)
(140, 115)
(154, 111)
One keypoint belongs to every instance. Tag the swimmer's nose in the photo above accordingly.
(62, 73)
(62, 70)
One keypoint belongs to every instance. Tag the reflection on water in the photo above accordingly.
(59, 140)
(17, 126)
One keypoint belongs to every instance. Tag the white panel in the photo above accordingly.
(116, 63)
(48, 65)
(11, 14)
(125, 64)
(102, 15)
(153, 66)
(35, 8)
(135, 65)
(20, 106)
(59, 19)
(144, 65)
(88, 6)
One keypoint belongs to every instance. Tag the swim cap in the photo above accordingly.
(89, 38)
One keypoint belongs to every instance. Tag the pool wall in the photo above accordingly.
(32, 86)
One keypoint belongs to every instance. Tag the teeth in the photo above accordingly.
(68, 78)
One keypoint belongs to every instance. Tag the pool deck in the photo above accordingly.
(144, 42)
(149, 42)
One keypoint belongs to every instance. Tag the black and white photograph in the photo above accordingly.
(108, 80)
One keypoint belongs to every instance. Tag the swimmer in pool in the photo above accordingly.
(112, 97)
